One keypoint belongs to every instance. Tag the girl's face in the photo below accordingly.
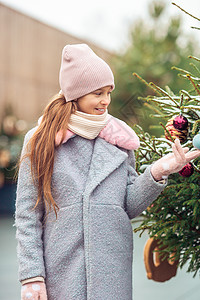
(96, 102)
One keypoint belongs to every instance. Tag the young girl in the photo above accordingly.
(78, 190)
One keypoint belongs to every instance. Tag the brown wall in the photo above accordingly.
(30, 53)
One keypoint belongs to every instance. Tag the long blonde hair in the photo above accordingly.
(42, 147)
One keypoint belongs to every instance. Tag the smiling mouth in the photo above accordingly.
(100, 109)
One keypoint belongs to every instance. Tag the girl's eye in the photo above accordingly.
(100, 93)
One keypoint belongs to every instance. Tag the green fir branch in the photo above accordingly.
(194, 99)
(191, 107)
(159, 103)
(195, 126)
(186, 93)
(193, 27)
(163, 93)
(193, 83)
(186, 12)
(192, 77)
(180, 70)
(195, 68)
(154, 109)
(182, 100)
(195, 58)
(147, 144)
(172, 139)
(146, 83)
(141, 79)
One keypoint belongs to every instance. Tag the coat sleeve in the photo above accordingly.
(142, 189)
(28, 222)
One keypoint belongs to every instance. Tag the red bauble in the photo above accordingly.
(180, 122)
(187, 170)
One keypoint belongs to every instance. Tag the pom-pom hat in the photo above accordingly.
(82, 72)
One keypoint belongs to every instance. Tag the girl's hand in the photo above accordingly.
(173, 162)
(34, 291)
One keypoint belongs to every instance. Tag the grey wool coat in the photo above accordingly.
(86, 254)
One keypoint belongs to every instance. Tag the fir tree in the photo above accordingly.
(174, 217)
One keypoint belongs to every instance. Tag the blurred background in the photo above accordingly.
(147, 37)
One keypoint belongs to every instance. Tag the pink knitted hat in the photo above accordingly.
(82, 72)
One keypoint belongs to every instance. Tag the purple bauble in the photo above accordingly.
(180, 122)
(187, 170)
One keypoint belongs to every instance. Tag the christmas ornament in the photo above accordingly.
(187, 170)
(159, 270)
(179, 122)
(196, 141)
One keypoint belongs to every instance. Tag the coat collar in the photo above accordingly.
(105, 159)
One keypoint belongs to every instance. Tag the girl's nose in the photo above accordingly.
(105, 100)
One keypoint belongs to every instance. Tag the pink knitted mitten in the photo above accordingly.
(34, 291)
(118, 133)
